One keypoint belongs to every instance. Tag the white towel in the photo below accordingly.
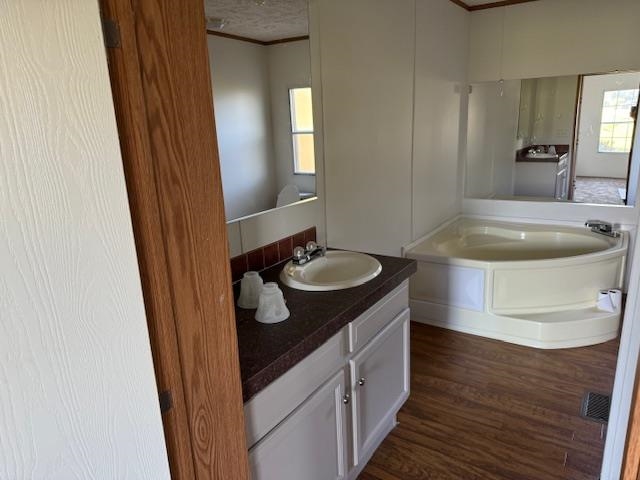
(609, 300)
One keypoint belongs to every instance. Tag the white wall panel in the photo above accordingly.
(367, 56)
(440, 98)
(78, 398)
(552, 38)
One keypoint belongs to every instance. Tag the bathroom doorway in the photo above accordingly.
(603, 140)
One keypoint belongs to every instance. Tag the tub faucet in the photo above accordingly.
(605, 228)
(310, 252)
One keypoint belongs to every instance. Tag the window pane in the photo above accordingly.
(621, 130)
(606, 145)
(301, 110)
(610, 99)
(627, 97)
(619, 144)
(606, 130)
(623, 114)
(608, 114)
(303, 154)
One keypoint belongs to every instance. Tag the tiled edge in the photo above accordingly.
(267, 256)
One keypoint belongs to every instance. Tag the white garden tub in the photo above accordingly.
(534, 285)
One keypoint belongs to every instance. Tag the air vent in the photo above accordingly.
(595, 406)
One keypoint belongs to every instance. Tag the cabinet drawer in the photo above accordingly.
(272, 404)
(367, 325)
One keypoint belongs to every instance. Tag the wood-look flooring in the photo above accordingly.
(489, 410)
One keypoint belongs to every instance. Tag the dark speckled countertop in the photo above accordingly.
(269, 351)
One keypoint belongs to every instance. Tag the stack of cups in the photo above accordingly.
(250, 288)
(271, 306)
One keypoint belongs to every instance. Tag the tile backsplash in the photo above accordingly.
(269, 255)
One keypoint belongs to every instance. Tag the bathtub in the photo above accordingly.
(529, 284)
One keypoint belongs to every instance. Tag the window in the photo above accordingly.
(304, 161)
(616, 128)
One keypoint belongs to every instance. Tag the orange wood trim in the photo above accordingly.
(631, 464)
(287, 40)
(253, 40)
(235, 37)
(461, 4)
(162, 93)
(505, 3)
(574, 144)
(174, 61)
(131, 115)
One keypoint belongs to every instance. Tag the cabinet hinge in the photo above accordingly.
(166, 402)
(111, 33)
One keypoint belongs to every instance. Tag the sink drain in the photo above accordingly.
(595, 406)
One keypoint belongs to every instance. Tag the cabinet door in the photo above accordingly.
(379, 382)
(310, 443)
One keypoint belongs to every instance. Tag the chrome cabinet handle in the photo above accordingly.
(362, 381)
(346, 398)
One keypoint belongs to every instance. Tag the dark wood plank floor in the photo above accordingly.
(484, 409)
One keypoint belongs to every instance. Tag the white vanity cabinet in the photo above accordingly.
(380, 385)
(310, 444)
(325, 417)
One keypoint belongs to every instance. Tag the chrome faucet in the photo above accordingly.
(604, 228)
(310, 252)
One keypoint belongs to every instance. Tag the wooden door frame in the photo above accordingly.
(574, 146)
(162, 96)
(633, 138)
(631, 462)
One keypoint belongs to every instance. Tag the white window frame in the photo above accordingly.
(295, 132)
(614, 123)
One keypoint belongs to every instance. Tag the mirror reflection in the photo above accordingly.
(261, 80)
(566, 138)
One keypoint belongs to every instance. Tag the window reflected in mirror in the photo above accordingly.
(304, 161)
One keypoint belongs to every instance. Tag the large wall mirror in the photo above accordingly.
(261, 78)
(568, 138)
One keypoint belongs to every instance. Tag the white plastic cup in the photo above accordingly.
(271, 306)
(250, 288)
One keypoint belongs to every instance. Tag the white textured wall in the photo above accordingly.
(440, 112)
(590, 162)
(78, 398)
(242, 102)
(289, 67)
(554, 37)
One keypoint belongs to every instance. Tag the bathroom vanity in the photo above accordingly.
(322, 389)
(542, 174)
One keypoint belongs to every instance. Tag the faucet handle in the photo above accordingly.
(299, 253)
(311, 246)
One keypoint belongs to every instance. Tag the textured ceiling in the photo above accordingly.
(273, 20)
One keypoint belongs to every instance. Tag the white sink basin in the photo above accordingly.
(542, 155)
(337, 270)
